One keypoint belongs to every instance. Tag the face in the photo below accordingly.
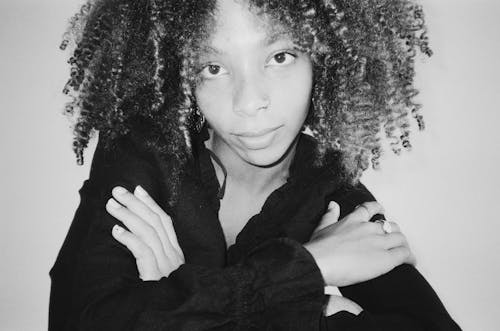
(254, 86)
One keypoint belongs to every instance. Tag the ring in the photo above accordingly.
(386, 226)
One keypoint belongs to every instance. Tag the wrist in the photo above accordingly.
(319, 261)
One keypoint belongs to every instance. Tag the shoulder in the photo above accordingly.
(327, 181)
(125, 162)
(349, 196)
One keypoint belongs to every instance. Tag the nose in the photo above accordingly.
(250, 96)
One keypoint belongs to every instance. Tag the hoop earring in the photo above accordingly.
(198, 119)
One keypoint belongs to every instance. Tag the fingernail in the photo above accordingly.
(119, 190)
(140, 191)
(113, 204)
(117, 229)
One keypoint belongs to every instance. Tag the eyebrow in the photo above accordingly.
(275, 36)
(268, 40)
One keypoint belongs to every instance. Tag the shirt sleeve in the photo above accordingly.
(95, 283)
(399, 300)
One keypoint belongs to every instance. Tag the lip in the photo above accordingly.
(257, 140)
(256, 134)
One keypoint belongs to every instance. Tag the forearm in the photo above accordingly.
(277, 277)
(399, 300)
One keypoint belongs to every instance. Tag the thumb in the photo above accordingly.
(338, 303)
(331, 216)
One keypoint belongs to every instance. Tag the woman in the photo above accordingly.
(207, 207)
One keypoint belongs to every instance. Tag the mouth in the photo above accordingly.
(256, 134)
(255, 140)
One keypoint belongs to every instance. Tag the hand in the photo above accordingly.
(354, 250)
(151, 239)
(338, 303)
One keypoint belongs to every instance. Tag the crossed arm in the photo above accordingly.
(362, 251)
(122, 284)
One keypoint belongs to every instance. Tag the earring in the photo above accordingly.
(198, 119)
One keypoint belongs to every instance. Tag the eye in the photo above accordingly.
(212, 71)
(282, 58)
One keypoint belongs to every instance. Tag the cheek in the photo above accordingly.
(294, 95)
(214, 102)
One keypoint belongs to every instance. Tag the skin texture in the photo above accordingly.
(151, 239)
(262, 82)
(353, 250)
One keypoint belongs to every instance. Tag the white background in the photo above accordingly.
(444, 193)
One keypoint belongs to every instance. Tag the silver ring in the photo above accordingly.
(386, 226)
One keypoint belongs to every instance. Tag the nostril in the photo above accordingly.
(253, 109)
(250, 96)
(253, 106)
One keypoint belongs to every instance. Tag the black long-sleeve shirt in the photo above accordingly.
(265, 281)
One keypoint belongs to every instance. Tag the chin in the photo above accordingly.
(267, 157)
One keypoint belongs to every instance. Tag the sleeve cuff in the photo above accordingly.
(286, 275)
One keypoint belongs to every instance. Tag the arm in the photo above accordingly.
(112, 297)
(398, 300)
(107, 293)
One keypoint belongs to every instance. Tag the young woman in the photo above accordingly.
(207, 207)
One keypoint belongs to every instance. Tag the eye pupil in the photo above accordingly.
(280, 58)
(213, 69)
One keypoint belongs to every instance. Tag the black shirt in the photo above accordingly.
(265, 281)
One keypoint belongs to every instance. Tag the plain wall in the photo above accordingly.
(443, 194)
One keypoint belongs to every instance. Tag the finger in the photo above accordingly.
(141, 229)
(365, 211)
(331, 216)
(338, 303)
(371, 228)
(137, 206)
(164, 217)
(395, 227)
(412, 260)
(144, 256)
(398, 238)
(164, 229)
(402, 254)
(392, 240)
(377, 227)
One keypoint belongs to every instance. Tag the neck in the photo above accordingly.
(250, 177)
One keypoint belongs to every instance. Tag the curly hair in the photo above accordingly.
(132, 70)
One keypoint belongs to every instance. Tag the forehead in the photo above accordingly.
(235, 20)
